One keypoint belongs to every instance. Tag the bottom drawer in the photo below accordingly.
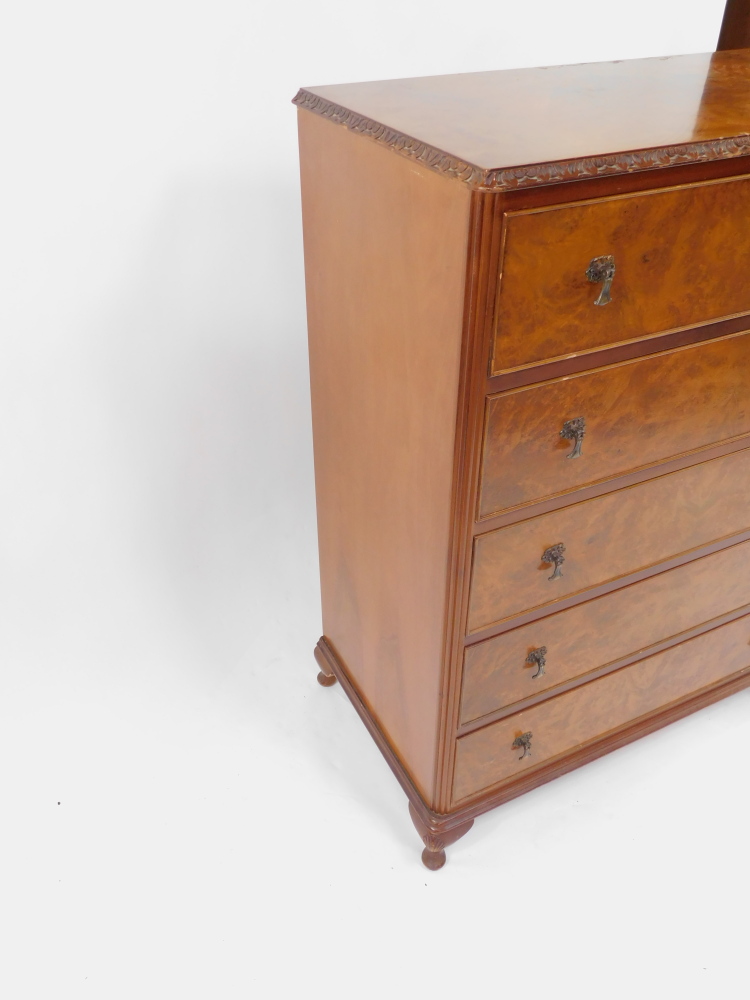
(488, 757)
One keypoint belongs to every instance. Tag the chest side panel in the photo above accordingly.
(385, 261)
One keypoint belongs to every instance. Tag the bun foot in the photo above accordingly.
(437, 834)
(326, 677)
(433, 859)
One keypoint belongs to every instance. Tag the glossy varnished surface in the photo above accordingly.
(513, 118)
(637, 413)
(608, 538)
(571, 720)
(400, 345)
(603, 631)
(681, 256)
(385, 262)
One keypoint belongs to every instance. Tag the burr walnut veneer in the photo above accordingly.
(529, 322)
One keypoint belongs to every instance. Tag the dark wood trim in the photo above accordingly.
(607, 668)
(497, 628)
(531, 175)
(735, 26)
(485, 250)
(630, 350)
(536, 507)
(461, 814)
(432, 821)
(617, 184)
(436, 839)
(461, 505)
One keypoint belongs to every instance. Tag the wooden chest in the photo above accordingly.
(529, 322)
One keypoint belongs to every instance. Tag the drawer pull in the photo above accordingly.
(574, 430)
(554, 554)
(539, 657)
(524, 740)
(602, 269)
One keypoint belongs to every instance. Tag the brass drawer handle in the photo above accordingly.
(539, 657)
(574, 430)
(524, 740)
(602, 269)
(554, 554)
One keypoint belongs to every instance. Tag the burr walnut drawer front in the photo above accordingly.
(553, 650)
(588, 274)
(534, 563)
(571, 432)
(503, 750)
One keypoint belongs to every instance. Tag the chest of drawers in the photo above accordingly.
(529, 323)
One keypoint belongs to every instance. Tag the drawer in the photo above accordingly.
(681, 257)
(607, 538)
(635, 414)
(487, 756)
(497, 674)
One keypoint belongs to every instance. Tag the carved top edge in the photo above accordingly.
(430, 156)
(530, 175)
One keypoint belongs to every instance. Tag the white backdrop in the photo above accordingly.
(185, 812)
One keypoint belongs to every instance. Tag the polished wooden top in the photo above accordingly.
(523, 127)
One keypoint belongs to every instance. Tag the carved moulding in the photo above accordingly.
(430, 156)
(533, 175)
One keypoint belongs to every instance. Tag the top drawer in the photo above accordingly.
(681, 255)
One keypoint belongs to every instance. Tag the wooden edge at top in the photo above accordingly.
(530, 175)
(430, 156)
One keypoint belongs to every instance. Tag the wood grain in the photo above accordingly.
(637, 414)
(519, 378)
(440, 823)
(514, 514)
(681, 258)
(385, 262)
(486, 757)
(602, 631)
(519, 128)
(403, 244)
(608, 538)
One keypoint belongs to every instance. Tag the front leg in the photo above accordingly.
(436, 838)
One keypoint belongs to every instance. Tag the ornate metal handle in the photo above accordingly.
(539, 657)
(574, 430)
(523, 741)
(554, 554)
(602, 269)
